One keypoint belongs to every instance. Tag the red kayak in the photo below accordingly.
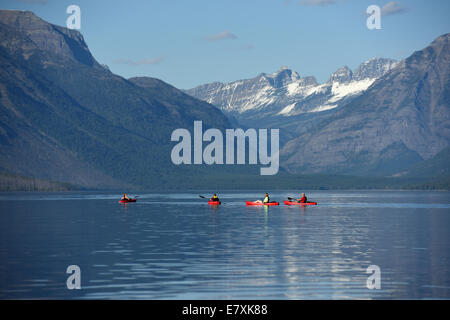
(214, 203)
(251, 203)
(126, 201)
(294, 203)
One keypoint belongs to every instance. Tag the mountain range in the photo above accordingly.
(286, 93)
(402, 119)
(379, 119)
(65, 117)
(67, 121)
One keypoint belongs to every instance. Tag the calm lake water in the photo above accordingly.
(175, 246)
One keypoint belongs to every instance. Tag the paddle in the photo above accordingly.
(292, 199)
(204, 197)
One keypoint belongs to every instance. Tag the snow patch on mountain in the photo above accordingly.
(298, 88)
(286, 110)
(320, 89)
(324, 108)
(342, 90)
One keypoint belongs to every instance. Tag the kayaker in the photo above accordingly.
(266, 199)
(125, 197)
(303, 199)
(214, 198)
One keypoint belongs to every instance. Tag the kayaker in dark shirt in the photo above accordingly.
(125, 197)
(303, 199)
(214, 198)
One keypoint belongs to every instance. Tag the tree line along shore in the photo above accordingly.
(10, 182)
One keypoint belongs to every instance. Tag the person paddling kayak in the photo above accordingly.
(125, 197)
(303, 199)
(214, 198)
(266, 199)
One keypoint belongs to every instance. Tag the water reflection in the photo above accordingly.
(158, 249)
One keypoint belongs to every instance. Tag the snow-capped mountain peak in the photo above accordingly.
(286, 93)
(341, 75)
(282, 77)
(373, 68)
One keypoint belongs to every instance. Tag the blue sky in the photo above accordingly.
(187, 43)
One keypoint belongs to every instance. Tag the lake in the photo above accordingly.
(176, 246)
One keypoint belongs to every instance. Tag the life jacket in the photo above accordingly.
(266, 200)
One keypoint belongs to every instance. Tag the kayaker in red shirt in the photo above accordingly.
(303, 199)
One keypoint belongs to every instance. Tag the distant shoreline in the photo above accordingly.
(217, 190)
(10, 182)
